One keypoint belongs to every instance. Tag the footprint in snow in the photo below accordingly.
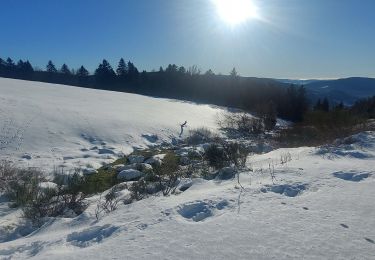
(351, 176)
(91, 236)
(200, 210)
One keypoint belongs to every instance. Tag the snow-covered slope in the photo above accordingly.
(50, 125)
(320, 206)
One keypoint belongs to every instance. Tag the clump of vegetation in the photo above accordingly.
(109, 203)
(324, 125)
(245, 124)
(168, 173)
(224, 154)
(64, 198)
(19, 185)
(200, 136)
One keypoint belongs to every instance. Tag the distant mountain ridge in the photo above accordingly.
(347, 90)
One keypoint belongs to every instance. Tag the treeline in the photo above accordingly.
(250, 94)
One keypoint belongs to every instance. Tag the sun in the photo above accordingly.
(235, 12)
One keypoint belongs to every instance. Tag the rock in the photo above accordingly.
(69, 213)
(118, 167)
(48, 185)
(155, 160)
(153, 188)
(184, 185)
(128, 167)
(26, 156)
(226, 173)
(129, 175)
(88, 171)
(105, 151)
(195, 154)
(136, 159)
(184, 160)
(205, 146)
(145, 168)
(151, 138)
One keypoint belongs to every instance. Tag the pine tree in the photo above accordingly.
(133, 72)
(10, 63)
(325, 105)
(122, 68)
(104, 74)
(233, 73)
(318, 105)
(82, 72)
(65, 69)
(51, 67)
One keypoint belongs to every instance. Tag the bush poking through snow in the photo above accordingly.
(19, 185)
(138, 190)
(168, 173)
(200, 136)
(242, 123)
(65, 198)
(226, 154)
(215, 156)
(109, 204)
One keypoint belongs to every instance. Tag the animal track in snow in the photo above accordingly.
(351, 176)
(289, 190)
(92, 235)
(200, 210)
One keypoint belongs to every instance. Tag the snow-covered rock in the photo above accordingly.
(145, 167)
(48, 185)
(118, 167)
(130, 174)
(226, 173)
(155, 160)
(127, 167)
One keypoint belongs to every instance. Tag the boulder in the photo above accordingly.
(88, 171)
(184, 160)
(118, 167)
(226, 173)
(129, 175)
(128, 167)
(145, 168)
(136, 159)
(155, 160)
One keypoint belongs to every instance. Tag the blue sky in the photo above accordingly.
(293, 38)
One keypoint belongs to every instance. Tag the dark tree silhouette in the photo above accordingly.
(325, 105)
(104, 74)
(65, 69)
(122, 69)
(233, 73)
(82, 72)
(51, 67)
(133, 72)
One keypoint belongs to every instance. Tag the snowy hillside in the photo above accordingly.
(52, 125)
(300, 203)
(321, 206)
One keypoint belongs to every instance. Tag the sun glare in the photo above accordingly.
(235, 12)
